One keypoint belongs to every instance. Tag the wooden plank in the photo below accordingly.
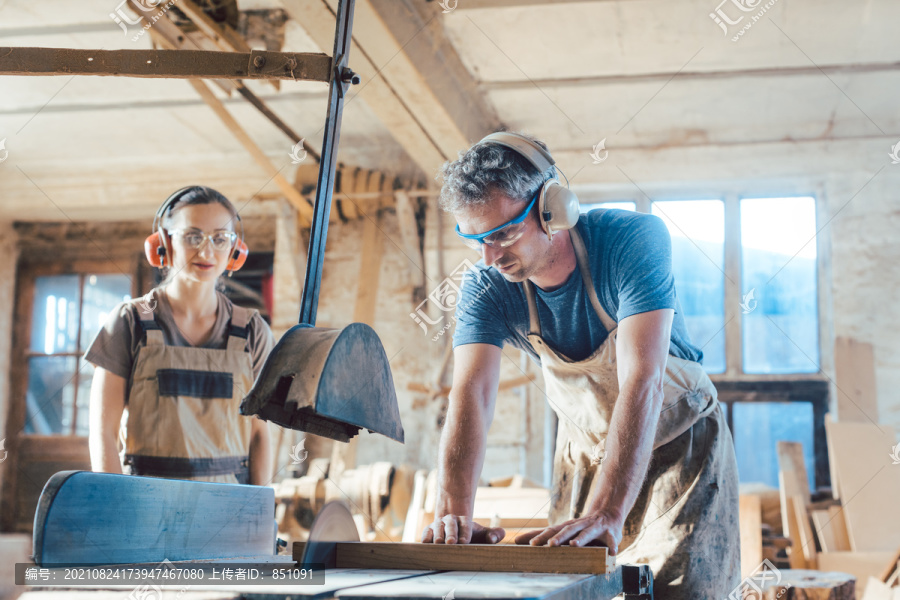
(832, 460)
(789, 522)
(892, 566)
(878, 590)
(166, 64)
(494, 558)
(790, 460)
(861, 565)
(824, 531)
(839, 528)
(854, 366)
(409, 232)
(292, 194)
(750, 520)
(870, 484)
(370, 258)
(807, 545)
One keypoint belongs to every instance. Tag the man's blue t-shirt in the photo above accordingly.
(631, 264)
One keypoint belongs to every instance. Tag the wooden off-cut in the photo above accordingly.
(497, 558)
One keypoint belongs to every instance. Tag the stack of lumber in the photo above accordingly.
(858, 530)
(887, 585)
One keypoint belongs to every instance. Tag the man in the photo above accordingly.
(644, 460)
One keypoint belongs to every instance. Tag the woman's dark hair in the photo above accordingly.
(195, 195)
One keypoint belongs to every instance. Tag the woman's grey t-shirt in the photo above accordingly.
(116, 345)
(630, 257)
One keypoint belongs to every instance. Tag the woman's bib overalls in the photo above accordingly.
(183, 419)
(684, 523)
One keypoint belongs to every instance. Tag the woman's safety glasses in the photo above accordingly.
(220, 240)
(500, 237)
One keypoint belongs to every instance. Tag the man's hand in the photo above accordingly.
(595, 529)
(454, 529)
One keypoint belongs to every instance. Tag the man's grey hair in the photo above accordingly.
(485, 169)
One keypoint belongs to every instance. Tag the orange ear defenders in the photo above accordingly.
(156, 246)
(558, 206)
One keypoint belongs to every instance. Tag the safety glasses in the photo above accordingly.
(500, 237)
(220, 241)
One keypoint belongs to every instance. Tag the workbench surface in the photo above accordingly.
(375, 584)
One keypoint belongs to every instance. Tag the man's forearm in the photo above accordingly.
(629, 446)
(461, 456)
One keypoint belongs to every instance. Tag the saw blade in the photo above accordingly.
(334, 523)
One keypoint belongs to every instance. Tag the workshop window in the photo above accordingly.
(780, 318)
(67, 312)
(760, 426)
(697, 228)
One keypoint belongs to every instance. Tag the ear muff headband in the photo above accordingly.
(156, 246)
(558, 207)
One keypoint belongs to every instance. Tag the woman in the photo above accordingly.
(182, 357)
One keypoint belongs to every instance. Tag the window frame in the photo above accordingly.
(27, 274)
(731, 198)
(734, 385)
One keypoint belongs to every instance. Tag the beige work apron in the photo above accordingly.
(684, 523)
(183, 419)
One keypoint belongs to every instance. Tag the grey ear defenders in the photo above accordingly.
(558, 206)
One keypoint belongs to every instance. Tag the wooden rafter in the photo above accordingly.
(166, 64)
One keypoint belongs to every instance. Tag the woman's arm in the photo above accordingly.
(260, 453)
(106, 408)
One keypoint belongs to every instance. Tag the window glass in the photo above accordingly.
(697, 228)
(780, 322)
(758, 426)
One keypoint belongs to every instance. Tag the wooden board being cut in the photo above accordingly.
(870, 484)
(496, 558)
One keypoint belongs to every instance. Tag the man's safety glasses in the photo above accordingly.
(220, 241)
(500, 237)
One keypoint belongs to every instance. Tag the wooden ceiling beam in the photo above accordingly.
(165, 64)
(392, 88)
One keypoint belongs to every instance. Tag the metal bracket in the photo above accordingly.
(344, 75)
(637, 582)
